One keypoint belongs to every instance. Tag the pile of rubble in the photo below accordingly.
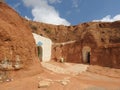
(44, 83)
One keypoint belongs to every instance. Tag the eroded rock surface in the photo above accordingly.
(102, 39)
(16, 40)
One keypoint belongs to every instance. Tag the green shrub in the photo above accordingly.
(33, 27)
(47, 30)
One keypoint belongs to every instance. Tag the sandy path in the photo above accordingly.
(70, 68)
(83, 80)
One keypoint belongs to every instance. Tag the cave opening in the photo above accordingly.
(88, 58)
(39, 48)
(86, 54)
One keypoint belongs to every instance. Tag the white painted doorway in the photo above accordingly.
(46, 47)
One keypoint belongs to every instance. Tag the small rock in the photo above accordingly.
(57, 80)
(43, 84)
(49, 80)
(8, 80)
(64, 82)
(17, 66)
(11, 79)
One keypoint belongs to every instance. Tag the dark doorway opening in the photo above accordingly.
(39, 48)
(88, 57)
(86, 54)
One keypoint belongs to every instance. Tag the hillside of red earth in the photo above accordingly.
(20, 68)
(102, 40)
(17, 45)
(104, 32)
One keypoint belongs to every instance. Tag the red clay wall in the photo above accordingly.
(70, 52)
(108, 57)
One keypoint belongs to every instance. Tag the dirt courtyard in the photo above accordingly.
(67, 76)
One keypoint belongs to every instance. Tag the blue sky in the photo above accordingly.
(67, 11)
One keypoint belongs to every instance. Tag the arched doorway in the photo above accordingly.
(86, 53)
(39, 48)
(44, 47)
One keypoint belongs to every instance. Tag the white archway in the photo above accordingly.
(46, 45)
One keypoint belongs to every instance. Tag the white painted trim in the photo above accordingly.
(46, 46)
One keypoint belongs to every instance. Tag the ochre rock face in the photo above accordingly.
(102, 32)
(16, 41)
(69, 52)
(57, 33)
(103, 39)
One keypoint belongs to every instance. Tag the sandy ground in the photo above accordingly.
(67, 76)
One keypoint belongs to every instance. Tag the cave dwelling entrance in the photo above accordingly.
(39, 48)
(86, 54)
(44, 47)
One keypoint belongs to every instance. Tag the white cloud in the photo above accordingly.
(108, 18)
(55, 1)
(43, 12)
(68, 12)
(17, 5)
(27, 18)
(75, 3)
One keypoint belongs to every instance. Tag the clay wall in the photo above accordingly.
(70, 52)
(108, 57)
(103, 56)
